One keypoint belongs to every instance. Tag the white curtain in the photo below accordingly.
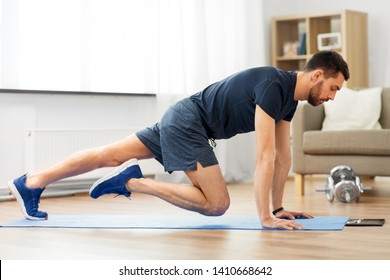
(80, 45)
(148, 46)
(202, 41)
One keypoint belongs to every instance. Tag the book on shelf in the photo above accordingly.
(302, 44)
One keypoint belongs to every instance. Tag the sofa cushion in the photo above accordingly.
(353, 110)
(352, 142)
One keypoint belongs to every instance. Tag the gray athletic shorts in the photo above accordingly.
(179, 140)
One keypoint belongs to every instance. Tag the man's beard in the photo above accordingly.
(314, 94)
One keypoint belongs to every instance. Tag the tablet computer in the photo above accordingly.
(365, 222)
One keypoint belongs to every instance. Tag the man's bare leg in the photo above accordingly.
(28, 189)
(91, 159)
(207, 195)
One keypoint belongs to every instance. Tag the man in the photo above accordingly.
(262, 99)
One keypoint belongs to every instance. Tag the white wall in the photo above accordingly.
(378, 27)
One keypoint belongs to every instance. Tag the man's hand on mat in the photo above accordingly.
(291, 215)
(281, 223)
(286, 220)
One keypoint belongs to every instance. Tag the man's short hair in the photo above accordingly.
(331, 62)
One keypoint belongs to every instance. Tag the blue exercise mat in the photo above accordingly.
(170, 222)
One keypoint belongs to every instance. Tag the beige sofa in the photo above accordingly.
(317, 152)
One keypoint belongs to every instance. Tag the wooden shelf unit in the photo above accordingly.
(351, 25)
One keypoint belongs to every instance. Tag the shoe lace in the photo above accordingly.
(128, 197)
(34, 205)
(123, 192)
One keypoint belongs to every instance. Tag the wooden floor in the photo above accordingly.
(364, 243)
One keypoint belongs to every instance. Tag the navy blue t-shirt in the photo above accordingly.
(228, 107)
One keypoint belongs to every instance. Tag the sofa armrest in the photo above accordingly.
(307, 117)
(385, 112)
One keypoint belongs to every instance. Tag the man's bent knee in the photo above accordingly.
(216, 209)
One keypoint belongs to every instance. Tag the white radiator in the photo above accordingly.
(45, 148)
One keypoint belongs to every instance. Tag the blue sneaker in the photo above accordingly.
(115, 182)
(28, 198)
